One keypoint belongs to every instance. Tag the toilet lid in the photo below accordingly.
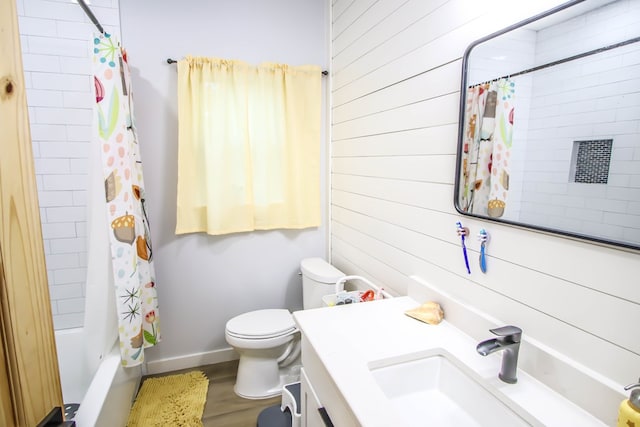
(262, 323)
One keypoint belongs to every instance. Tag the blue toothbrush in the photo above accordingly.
(483, 236)
(462, 231)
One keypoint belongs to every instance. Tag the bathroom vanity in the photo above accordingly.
(370, 365)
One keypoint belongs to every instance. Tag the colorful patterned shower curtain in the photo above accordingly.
(486, 150)
(131, 254)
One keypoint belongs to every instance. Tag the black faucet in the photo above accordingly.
(509, 341)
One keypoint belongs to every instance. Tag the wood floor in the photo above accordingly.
(224, 408)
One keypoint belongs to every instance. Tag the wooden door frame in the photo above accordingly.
(28, 361)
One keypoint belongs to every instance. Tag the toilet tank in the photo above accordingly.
(318, 279)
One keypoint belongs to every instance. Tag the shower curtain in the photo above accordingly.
(486, 152)
(124, 198)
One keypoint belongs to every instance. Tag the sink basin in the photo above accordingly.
(436, 389)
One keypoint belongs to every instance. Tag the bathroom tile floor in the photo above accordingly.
(224, 408)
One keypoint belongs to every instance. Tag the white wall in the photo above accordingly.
(204, 280)
(396, 76)
(55, 36)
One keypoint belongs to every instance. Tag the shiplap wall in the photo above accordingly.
(396, 69)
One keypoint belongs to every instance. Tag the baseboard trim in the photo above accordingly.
(191, 360)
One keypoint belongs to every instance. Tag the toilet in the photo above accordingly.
(268, 340)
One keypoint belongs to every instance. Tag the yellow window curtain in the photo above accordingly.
(249, 146)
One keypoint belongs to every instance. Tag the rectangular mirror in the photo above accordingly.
(549, 133)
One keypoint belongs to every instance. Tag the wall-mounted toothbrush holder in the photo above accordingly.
(462, 231)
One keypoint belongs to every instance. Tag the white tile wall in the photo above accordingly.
(59, 230)
(561, 107)
(55, 37)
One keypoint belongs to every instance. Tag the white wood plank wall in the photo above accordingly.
(396, 67)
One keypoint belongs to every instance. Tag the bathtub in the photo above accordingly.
(105, 397)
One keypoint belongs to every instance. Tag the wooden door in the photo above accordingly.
(29, 379)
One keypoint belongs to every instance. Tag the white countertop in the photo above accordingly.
(349, 338)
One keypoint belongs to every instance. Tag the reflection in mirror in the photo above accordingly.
(550, 124)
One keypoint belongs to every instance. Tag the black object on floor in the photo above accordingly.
(55, 419)
(274, 417)
(70, 410)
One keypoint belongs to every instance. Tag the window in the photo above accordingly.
(249, 146)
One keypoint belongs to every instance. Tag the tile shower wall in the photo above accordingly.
(560, 116)
(55, 37)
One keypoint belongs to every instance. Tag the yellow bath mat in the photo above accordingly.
(173, 400)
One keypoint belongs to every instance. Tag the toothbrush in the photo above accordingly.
(483, 236)
(463, 231)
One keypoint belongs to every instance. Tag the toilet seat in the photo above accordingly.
(261, 324)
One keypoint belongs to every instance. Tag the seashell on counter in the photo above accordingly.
(430, 312)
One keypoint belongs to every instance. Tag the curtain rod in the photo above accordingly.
(173, 61)
(563, 60)
(91, 16)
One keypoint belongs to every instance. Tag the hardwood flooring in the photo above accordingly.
(224, 408)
